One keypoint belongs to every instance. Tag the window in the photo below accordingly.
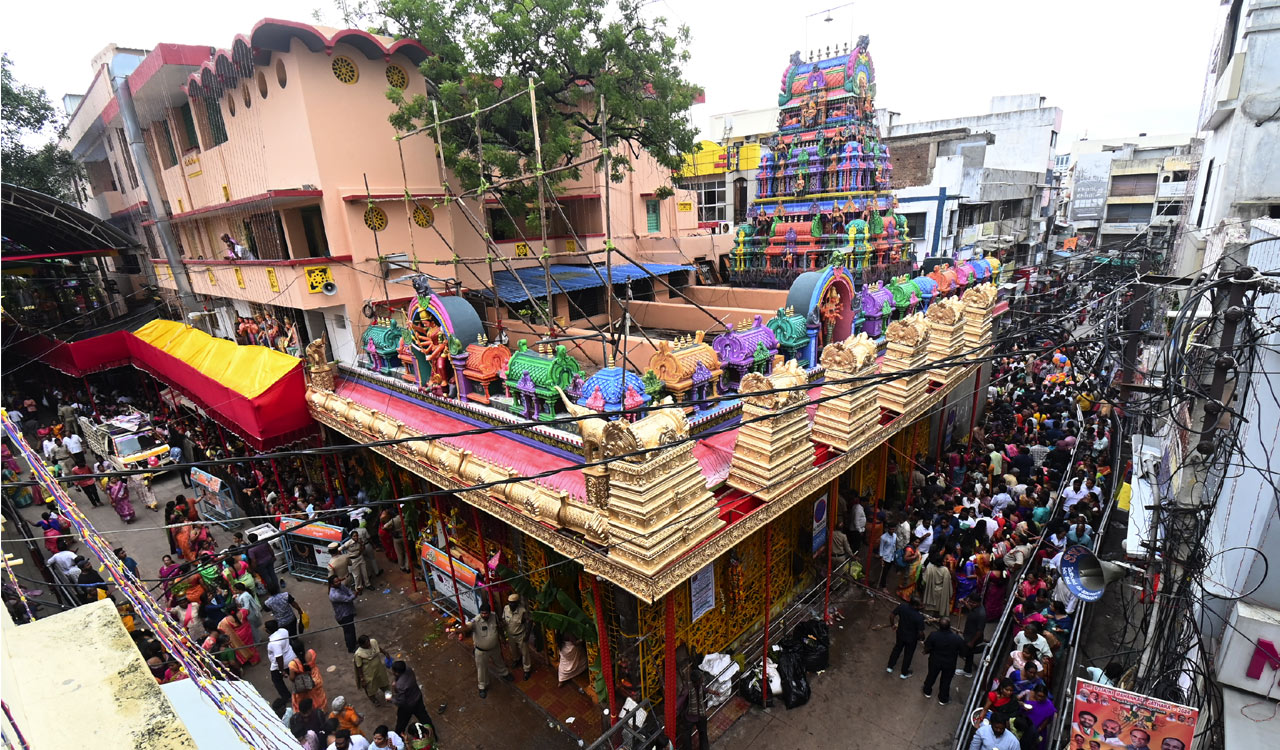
(264, 236)
(653, 215)
(711, 198)
(397, 77)
(345, 70)
(1169, 208)
(677, 280)
(167, 151)
(313, 228)
(500, 225)
(1181, 175)
(128, 158)
(1053, 139)
(584, 303)
(1204, 194)
(915, 225)
(1129, 213)
(128, 264)
(213, 129)
(1133, 184)
(740, 200)
(375, 218)
(187, 133)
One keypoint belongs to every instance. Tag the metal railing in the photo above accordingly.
(1003, 635)
(635, 730)
(1065, 676)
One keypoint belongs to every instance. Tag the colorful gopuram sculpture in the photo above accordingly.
(823, 182)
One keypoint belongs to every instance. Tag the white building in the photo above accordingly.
(1119, 188)
(983, 181)
(1240, 122)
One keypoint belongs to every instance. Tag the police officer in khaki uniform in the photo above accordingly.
(484, 636)
(516, 620)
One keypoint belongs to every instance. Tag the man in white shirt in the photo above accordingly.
(75, 444)
(1031, 635)
(65, 563)
(279, 654)
(1001, 500)
(924, 535)
(1073, 494)
(48, 446)
(859, 515)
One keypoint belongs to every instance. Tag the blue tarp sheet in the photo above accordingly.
(570, 278)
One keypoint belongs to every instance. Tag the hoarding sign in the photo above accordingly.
(1109, 717)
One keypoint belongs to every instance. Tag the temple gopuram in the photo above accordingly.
(682, 497)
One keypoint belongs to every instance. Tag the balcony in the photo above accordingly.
(287, 283)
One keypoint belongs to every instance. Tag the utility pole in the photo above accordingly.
(1225, 362)
(151, 186)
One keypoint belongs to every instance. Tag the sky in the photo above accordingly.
(1115, 67)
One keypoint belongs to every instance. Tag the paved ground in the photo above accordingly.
(444, 667)
(855, 703)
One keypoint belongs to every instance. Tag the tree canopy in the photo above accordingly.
(26, 114)
(484, 51)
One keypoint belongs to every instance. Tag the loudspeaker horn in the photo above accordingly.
(329, 288)
(1086, 576)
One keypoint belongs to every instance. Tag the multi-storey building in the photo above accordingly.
(981, 182)
(1120, 188)
(280, 144)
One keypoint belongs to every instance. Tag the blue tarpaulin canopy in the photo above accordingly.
(570, 278)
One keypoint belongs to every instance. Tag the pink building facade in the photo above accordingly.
(281, 141)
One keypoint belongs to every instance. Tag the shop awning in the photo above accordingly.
(255, 392)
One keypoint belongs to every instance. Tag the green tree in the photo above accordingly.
(575, 51)
(26, 113)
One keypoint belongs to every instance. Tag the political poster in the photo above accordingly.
(1103, 718)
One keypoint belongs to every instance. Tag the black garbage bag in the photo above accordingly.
(795, 685)
(812, 641)
(751, 690)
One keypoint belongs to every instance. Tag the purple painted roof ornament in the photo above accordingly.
(737, 347)
(525, 383)
(700, 373)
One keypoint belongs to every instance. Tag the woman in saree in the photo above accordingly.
(169, 574)
(118, 491)
(995, 591)
(246, 600)
(184, 536)
(239, 632)
(966, 580)
(910, 573)
(299, 672)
